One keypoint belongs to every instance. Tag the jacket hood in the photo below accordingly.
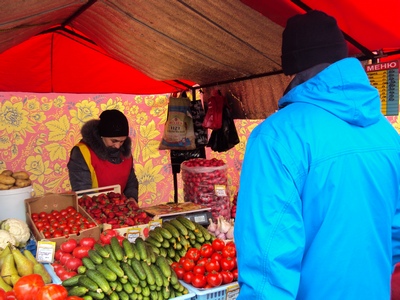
(343, 89)
(91, 136)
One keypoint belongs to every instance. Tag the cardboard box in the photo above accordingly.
(143, 229)
(50, 202)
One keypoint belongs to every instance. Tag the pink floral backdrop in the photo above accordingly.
(37, 132)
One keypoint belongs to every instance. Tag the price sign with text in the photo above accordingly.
(385, 77)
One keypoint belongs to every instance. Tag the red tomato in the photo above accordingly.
(120, 239)
(60, 271)
(74, 298)
(228, 263)
(179, 270)
(213, 265)
(188, 264)
(218, 244)
(10, 295)
(73, 263)
(81, 251)
(2, 293)
(65, 257)
(174, 265)
(87, 242)
(202, 261)
(206, 250)
(106, 235)
(67, 275)
(199, 281)
(227, 277)
(69, 245)
(235, 274)
(27, 287)
(229, 250)
(199, 269)
(52, 292)
(188, 277)
(217, 256)
(193, 254)
(42, 215)
(214, 278)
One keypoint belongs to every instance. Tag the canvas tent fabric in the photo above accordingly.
(153, 46)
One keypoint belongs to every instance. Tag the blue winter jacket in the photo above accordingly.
(318, 195)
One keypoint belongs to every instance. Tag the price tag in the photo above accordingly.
(132, 234)
(45, 251)
(220, 190)
(155, 223)
(232, 292)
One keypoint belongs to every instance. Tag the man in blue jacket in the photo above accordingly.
(317, 213)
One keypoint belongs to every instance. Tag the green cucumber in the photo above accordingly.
(128, 248)
(157, 274)
(155, 234)
(96, 295)
(95, 257)
(72, 281)
(107, 273)
(77, 291)
(207, 235)
(153, 241)
(171, 228)
(186, 222)
(165, 268)
(128, 288)
(138, 269)
(149, 273)
(88, 263)
(116, 248)
(141, 247)
(101, 250)
(109, 250)
(88, 283)
(101, 281)
(114, 266)
(179, 226)
(123, 295)
(165, 233)
(130, 273)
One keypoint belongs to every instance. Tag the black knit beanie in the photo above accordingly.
(113, 123)
(310, 39)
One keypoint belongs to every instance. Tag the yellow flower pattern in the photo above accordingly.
(38, 131)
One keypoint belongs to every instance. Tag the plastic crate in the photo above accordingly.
(189, 296)
(218, 293)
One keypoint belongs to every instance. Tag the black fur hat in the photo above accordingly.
(113, 123)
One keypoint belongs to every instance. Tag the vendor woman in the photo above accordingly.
(104, 156)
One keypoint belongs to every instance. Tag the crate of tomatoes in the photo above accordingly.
(57, 217)
(110, 208)
(211, 271)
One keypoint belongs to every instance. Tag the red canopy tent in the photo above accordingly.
(71, 62)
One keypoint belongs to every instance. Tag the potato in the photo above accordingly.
(8, 180)
(7, 172)
(20, 175)
(5, 186)
(22, 182)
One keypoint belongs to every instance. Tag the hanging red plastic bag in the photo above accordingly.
(215, 105)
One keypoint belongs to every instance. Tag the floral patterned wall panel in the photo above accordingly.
(37, 132)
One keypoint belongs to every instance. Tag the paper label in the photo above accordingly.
(132, 234)
(155, 223)
(220, 190)
(232, 292)
(45, 251)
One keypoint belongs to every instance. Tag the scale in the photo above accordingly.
(194, 212)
